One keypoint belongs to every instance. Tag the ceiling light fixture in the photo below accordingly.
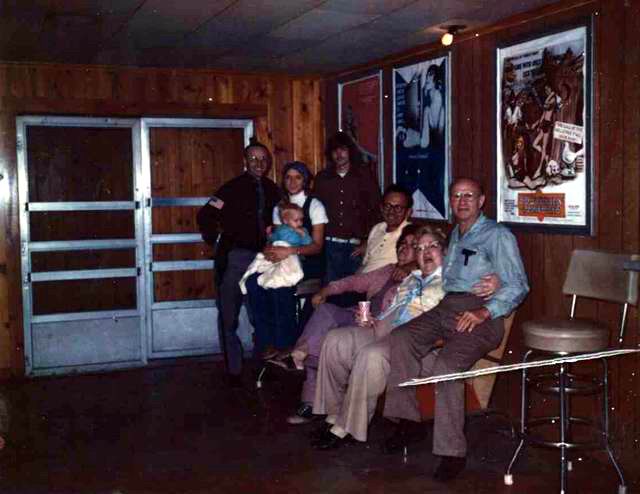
(447, 37)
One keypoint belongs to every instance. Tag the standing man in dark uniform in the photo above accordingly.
(351, 197)
(239, 214)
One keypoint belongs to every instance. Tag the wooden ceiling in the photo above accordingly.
(289, 36)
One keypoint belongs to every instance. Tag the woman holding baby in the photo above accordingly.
(274, 309)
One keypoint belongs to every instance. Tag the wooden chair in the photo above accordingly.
(477, 390)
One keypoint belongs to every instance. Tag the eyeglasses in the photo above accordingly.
(255, 159)
(432, 245)
(464, 195)
(396, 208)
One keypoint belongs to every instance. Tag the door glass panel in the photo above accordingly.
(182, 252)
(54, 297)
(191, 162)
(79, 164)
(81, 225)
(183, 285)
(83, 259)
(176, 219)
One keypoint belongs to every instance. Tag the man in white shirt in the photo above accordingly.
(380, 247)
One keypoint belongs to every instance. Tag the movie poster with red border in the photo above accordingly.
(360, 116)
(543, 132)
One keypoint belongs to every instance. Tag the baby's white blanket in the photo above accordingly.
(287, 272)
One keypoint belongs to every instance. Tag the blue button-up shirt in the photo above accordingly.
(490, 248)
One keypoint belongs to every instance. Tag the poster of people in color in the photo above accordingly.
(543, 158)
(421, 135)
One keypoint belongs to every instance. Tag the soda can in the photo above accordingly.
(364, 310)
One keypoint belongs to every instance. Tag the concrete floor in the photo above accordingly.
(178, 429)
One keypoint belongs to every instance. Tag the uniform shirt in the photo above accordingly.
(234, 213)
(351, 201)
(381, 247)
(489, 248)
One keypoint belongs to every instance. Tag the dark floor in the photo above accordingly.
(178, 429)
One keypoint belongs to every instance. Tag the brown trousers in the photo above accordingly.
(413, 340)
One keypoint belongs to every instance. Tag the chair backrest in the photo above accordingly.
(601, 275)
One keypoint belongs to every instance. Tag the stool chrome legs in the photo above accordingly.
(622, 488)
(566, 386)
(563, 428)
(508, 477)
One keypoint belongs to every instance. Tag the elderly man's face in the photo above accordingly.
(257, 161)
(466, 201)
(394, 209)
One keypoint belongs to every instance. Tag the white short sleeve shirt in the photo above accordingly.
(317, 211)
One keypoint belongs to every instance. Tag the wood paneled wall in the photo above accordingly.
(287, 114)
(616, 117)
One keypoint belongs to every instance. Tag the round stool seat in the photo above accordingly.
(565, 335)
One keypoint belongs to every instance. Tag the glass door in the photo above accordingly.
(81, 227)
(184, 162)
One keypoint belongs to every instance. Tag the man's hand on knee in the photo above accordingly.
(469, 319)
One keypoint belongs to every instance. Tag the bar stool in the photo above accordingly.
(596, 275)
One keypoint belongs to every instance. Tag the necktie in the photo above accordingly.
(261, 225)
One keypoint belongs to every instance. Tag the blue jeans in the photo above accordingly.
(274, 315)
(340, 264)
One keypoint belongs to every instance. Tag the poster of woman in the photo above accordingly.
(421, 135)
(360, 117)
(543, 132)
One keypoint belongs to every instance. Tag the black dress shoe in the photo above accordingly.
(329, 441)
(319, 432)
(405, 433)
(449, 468)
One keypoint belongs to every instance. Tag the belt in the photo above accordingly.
(353, 241)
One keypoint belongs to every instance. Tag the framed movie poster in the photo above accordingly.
(543, 111)
(421, 126)
(360, 116)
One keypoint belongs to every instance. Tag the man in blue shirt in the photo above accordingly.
(469, 324)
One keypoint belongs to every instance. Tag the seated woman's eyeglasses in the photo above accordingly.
(432, 245)
(396, 208)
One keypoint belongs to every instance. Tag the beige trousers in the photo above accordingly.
(354, 365)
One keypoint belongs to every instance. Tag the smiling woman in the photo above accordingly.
(275, 321)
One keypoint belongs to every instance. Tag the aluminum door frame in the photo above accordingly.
(151, 239)
(27, 246)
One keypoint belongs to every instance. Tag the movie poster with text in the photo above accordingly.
(543, 159)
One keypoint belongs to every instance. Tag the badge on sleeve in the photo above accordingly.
(216, 202)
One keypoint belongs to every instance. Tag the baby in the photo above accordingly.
(290, 233)
(291, 230)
